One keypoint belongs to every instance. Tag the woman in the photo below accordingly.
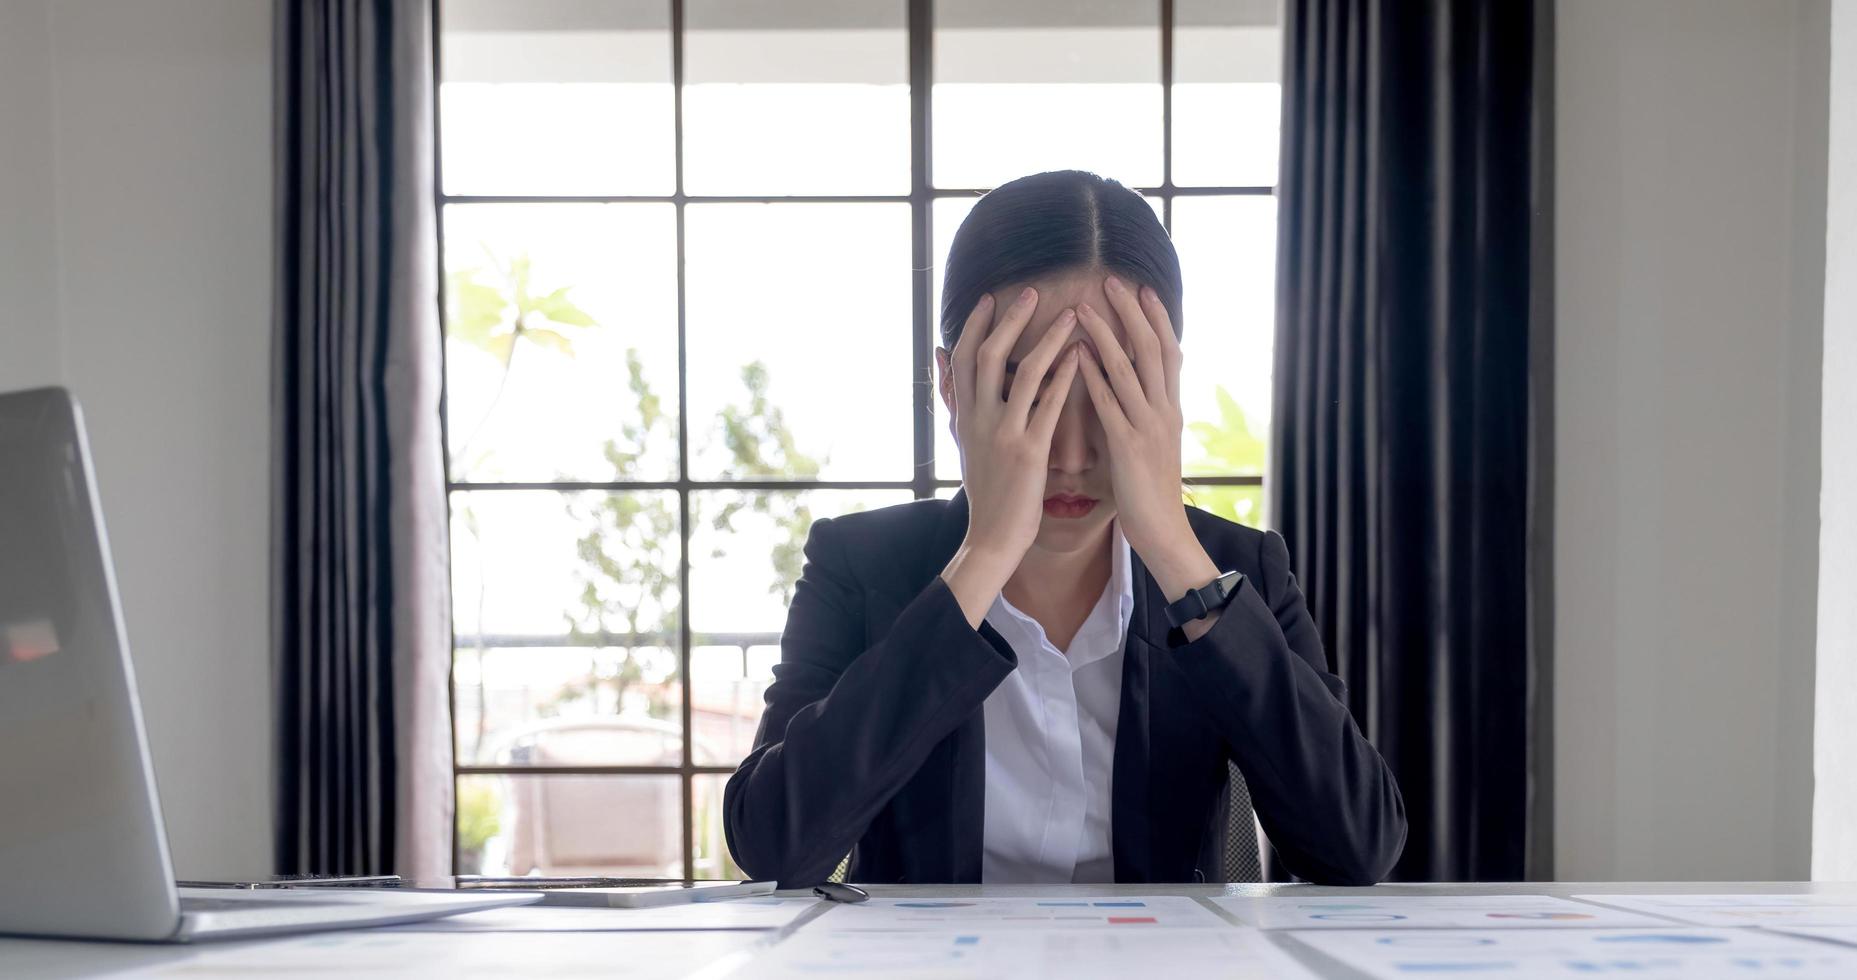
(993, 688)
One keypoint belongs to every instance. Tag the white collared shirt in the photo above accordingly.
(1050, 740)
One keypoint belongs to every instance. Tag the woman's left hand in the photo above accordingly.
(1139, 406)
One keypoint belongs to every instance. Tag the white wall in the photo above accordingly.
(143, 269)
(29, 347)
(1834, 830)
(1689, 252)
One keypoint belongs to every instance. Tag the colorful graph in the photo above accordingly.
(970, 914)
(1431, 912)
(1677, 953)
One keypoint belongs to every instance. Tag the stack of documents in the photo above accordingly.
(1068, 936)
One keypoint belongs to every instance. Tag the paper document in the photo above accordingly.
(1833, 934)
(945, 914)
(372, 953)
(741, 913)
(1228, 952)
(1425, 912)
(1742, 910)
(1526, 954)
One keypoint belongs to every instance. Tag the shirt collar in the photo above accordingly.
(1105, 628)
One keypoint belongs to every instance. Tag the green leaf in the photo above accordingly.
(549, 340)
(1229, 446)
(474, 309)
(498, 346)
(557, 307)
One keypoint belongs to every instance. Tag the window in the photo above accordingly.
(691, 251)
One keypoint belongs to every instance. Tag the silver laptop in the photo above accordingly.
(82, 849)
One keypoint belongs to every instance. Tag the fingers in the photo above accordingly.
(990, 359)
(1113, 361)
(973, 334)
(1108, 410)
(1149, 366)
(1170, 344)
(1056, 390)
(1032, 369)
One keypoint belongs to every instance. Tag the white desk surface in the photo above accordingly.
(31, 958)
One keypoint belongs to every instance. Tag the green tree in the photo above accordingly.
(627, 550)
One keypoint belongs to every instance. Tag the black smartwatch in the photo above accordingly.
(1202, 602)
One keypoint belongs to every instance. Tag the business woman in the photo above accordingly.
(1042, 679)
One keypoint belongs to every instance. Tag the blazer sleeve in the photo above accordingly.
(1322, 792)
(846, 725)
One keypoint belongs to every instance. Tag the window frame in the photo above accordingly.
(923, 482)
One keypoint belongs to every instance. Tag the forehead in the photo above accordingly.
(1055, 295)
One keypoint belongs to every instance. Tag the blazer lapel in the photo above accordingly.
(967, 759)
(1131, 801)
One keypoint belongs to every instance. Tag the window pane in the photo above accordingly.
(556, 97)
(796, 98)
(561, 348)
(947, 215)
(565, 611)
(1242, 504)
(570, 825)
(799, 326)
(727, 684)
(1227, 251)
(1226, 99)
(746, 552)
(713, 859)
(1021, 89)
(607, 705)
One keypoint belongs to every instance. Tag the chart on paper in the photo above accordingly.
(1426, 912)
(1525, 954)
(1027, 954)
(1742, 910)
(941, 915)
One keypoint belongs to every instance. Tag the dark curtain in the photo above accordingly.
(1401, 457)
(360, 609)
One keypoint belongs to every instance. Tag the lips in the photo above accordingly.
(1069, 505)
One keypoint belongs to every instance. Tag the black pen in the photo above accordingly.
(835, 891)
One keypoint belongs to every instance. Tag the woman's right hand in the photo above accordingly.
(1005, 441)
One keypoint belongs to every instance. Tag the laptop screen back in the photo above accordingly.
(81, 846)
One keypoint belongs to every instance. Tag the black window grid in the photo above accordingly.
(923, 482)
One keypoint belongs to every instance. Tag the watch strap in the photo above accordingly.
(1201, 602)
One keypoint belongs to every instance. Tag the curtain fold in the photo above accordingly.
(1401, 458)
(361, 610)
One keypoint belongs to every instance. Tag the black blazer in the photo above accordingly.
(873, 741)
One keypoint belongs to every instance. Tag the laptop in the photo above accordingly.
(82, 850)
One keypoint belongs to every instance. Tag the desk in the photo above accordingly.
(25, 958)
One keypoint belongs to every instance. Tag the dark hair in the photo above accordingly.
(1050, 223)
